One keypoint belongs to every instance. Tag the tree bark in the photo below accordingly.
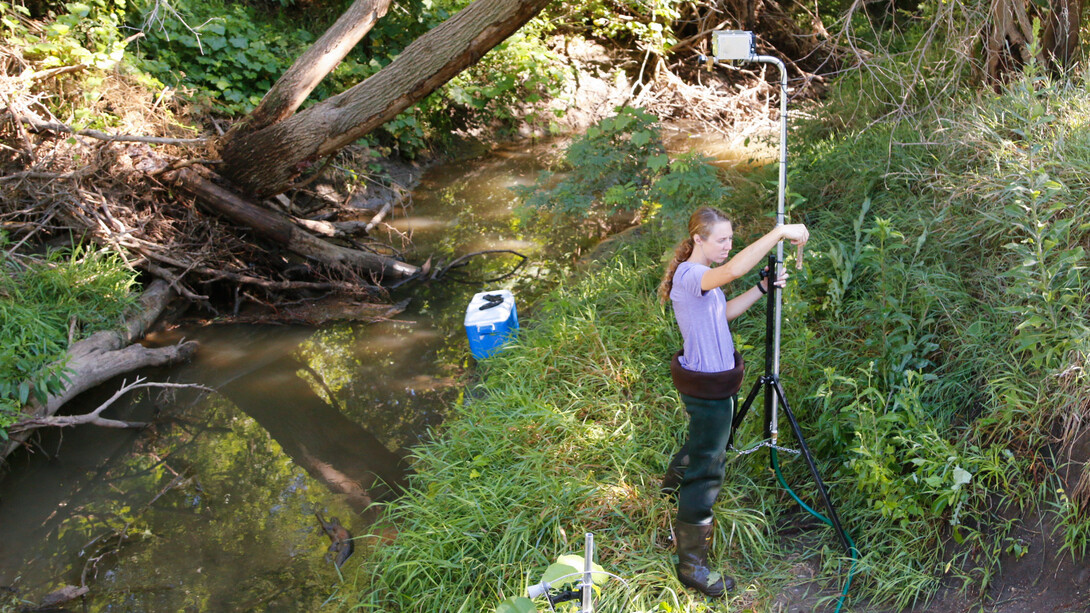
(1060, 40)
(1005, 43)
(105, 355)
(307, 72)
(265, 162)
(280, 229)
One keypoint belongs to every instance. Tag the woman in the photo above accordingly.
(708, 372)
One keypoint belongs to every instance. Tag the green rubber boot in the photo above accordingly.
(693, 541)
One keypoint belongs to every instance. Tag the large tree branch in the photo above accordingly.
(265, 162)
(293, 87)
(282, 230)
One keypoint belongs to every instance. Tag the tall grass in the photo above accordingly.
(46, 303)
(940, 307)
(568, 433)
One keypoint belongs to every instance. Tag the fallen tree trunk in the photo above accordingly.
(105, 355)
(280, 229)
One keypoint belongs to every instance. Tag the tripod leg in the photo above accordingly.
(813, 469)
(742, 411)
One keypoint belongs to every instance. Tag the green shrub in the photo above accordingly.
(87, 33)
(225, 50)
(941, 299)
(45, 304)
(621, 166)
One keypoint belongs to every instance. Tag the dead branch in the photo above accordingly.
(463, 260)
(379, 216)
(95, 417)
(281, 230)
(53, 126)
(54, 72)
(29, 147)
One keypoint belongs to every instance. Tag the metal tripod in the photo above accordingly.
(775, 396)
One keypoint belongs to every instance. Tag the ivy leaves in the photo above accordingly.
(232, 57)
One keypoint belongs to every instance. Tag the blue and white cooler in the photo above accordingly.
(491, 320)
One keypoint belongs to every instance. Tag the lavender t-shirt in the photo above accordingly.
(702, 317)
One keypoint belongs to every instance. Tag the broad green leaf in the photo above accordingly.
(215, 43)
(558, 570)
(517, 604)
(577, 562)
(961, 476)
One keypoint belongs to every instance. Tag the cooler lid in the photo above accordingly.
(491, 315)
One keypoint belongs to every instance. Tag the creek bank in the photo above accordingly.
(102, 357)
(306, 420)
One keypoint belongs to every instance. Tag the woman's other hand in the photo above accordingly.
(781, 281)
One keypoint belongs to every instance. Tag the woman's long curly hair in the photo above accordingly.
(701, 222)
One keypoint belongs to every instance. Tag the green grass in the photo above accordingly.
(930, 343)
(44, 304)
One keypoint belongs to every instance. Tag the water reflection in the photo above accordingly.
(201, 513)
(212, 509)
(756, 145)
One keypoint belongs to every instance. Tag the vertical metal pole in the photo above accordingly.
(774, 271)
(588, 576)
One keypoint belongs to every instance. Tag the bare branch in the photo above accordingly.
(40, 125)
(95, 417)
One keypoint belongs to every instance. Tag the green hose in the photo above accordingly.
(853, 552)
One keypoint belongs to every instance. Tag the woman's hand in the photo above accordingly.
(781, 281)
(796, 233)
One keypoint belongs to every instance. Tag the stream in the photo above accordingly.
(214, 507)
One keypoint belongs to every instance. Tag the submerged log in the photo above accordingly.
(105, 355)
(340, 539)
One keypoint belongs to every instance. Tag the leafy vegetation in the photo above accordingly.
(620, 166)
(83, 33)
(934, 333)
(935, 321)
(645, 25)
(232, 54)
(46, 304)
(229, 54)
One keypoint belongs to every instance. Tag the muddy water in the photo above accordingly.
(213, 508)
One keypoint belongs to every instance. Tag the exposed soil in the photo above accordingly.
(1037, 582)
(1040, 580)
